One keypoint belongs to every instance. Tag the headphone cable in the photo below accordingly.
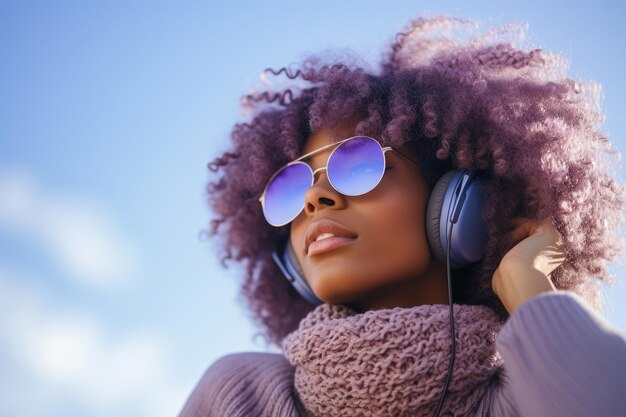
(452, 330)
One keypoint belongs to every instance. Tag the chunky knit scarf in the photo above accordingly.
(393, 362)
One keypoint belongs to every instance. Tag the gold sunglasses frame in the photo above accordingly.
(324, 168)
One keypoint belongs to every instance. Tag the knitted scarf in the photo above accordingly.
(393, 362)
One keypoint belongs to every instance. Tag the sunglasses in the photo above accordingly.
(354, 167)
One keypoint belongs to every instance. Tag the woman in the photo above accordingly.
(377, 280)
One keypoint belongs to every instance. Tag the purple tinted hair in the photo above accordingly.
(460, 102)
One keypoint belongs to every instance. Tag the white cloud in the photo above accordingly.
(81, 236)
(57, 359)
(63, 348)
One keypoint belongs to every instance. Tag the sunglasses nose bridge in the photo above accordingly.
(322, 194)
(320, 169)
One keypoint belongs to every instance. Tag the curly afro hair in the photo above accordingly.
(479, 101)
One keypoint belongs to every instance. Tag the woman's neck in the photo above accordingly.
(430, 288)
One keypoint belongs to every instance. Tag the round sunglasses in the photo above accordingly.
(354, 167)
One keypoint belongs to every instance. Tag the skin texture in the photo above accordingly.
(389, 264)
(524, 271)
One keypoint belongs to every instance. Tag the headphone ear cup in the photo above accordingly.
(292, 259)
(433, 215)
(286, 259)
(469, 232)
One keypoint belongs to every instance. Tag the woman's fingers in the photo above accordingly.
(536, 243)
(522, 228)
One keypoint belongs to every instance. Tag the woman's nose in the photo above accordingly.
(322, 195)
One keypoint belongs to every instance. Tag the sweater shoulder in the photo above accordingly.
(244, 384)
(560, 358)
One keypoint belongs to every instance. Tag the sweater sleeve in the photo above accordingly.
(560, 359)
(243, 385)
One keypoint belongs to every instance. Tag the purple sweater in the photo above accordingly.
(560, 359)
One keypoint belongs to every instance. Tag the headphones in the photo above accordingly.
(457, 198)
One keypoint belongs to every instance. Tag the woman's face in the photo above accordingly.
(388, 264)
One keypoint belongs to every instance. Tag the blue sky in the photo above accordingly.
(110, 303)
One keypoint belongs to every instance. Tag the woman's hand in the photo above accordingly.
(525, 269)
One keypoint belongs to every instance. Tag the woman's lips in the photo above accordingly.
(328, 244)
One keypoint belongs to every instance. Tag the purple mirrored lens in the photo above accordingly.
(284, 197)
(356, 166)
